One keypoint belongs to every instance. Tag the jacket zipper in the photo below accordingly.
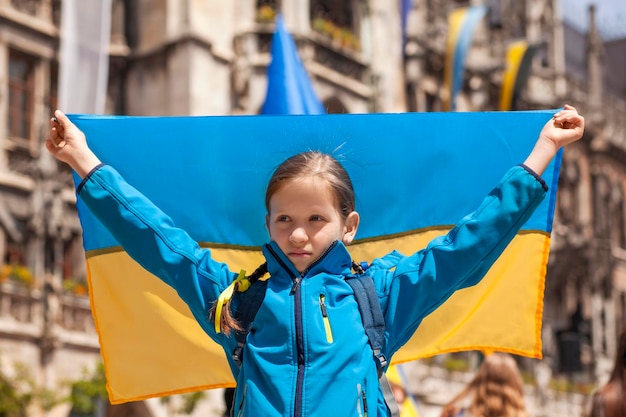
(365, 410)
(296, 279)
(361, 400)
(327, 328)
(295, 291)
(243, 400)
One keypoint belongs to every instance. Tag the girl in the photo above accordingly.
(497, 390)
(292, 365)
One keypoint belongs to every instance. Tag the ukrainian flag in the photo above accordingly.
(462, 23)
(519, 57)
(415, 175)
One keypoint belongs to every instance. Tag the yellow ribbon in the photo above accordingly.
(241, 284)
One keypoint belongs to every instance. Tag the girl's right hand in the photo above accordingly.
(68, 144)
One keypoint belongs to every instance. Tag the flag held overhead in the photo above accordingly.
(150, 341)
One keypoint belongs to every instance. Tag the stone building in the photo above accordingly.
(182, 57)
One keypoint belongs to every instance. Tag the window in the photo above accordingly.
(14, 268)
(336, 19)
(432, 103)
(411, 97)
(601, 204)
(73, 258)
(337, 11)
(568, 195)
(21, 91)
(335, 106)
(618, 224)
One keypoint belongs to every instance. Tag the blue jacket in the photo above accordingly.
(294, 363)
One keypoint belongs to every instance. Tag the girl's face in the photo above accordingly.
(304, 220)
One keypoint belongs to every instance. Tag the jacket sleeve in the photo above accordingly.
(423, 281)
(150, 237)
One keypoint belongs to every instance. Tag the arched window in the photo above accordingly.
(335, 106)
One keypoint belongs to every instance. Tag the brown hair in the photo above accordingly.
(609, 401)
(314, 164)
(497, 389)
(302, 165)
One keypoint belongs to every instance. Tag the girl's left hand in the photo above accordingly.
(565, 127)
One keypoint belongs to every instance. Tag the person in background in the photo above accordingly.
(496, 390)
(401, 391)
(610, 399)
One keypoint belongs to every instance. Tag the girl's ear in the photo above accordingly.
(350, 228)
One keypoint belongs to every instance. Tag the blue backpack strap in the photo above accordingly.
(249, 304)
(374, 324)
(372, 316)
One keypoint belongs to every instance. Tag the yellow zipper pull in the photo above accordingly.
(327, 328)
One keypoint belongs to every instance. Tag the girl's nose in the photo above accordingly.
(298, 235)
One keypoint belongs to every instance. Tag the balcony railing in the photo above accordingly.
(22, 308)
(324, 51)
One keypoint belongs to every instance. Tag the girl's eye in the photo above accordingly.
(315, 218)
(283, 218)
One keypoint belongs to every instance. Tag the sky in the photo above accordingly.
(610, 16)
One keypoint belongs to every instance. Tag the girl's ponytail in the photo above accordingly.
(228, 323)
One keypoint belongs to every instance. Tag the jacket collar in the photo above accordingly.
(335, 261)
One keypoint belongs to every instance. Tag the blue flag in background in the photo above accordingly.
(405, 7)
(289, 89)
(462, 23)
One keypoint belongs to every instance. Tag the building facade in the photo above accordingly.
(184, 57)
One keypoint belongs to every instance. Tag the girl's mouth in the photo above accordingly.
(299, 254)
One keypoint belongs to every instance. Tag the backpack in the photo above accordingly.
(371, 316)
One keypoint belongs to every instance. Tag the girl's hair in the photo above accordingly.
(497, 389)
(609, 401)
(302, 165)
(228, 323)
(314, 164)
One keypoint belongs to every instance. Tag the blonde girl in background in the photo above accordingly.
(497, 390)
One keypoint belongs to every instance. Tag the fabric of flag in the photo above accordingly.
(462, 23)
(519, 57)
(289, 88)
(84, 55)
(415, 175)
